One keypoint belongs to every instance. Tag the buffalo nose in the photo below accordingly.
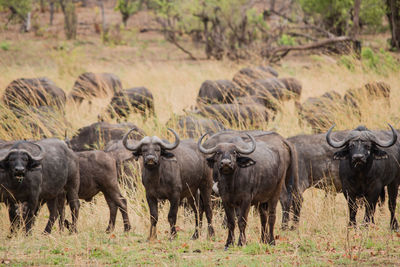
(19, 169)
(358, 156)
(225, 162)
(151, 159)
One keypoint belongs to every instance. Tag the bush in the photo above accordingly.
(381, 62)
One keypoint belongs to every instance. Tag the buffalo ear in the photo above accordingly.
(166, 154)
(341, 154)
(244, 162)
(137, 154)
(34, 164)
(3, 164)
(378, 153)
(211, 161)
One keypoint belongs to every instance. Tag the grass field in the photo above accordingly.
(322, 238)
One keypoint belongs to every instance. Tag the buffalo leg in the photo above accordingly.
(230, 218)
(297, 203)
(53, 210)
(114, 195)
(196, 217)
(271, 221)
(73, 202)
(370, 210)
(353, 207)
(153, 206)
(286, 204)
(15, 218)
(113, 213)
(173, 210)
(123, 207)
(61, 211)
(392, 192)
(242, 222)
(262, 208)
(205, 197)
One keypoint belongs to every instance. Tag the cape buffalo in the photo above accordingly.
(34, 92)
(219, 91)
(283, 147)
(271, 88)
(236, 114)
(367, 165)
(56, 175)
(98, 134)
(98, 173)
(173, 172)
(249, 176)
(317, 111)
(193, 126)
(134, 100)
(89, 85)
(370, 91)
(293, 85)
(246, 76)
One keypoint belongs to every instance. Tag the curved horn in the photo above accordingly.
(333, 143)
(38, 157)
(170, 146)
(250, 150)
(41, 154)
(205, 150)
(125, 141)
(389, 143)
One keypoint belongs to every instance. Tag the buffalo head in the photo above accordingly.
(151, 148)
(17, 161)
(227, 156)
(361, 146)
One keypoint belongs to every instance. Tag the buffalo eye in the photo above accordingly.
(351, 146)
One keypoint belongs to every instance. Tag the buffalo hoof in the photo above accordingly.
(294, 227)
(272, 242)
(284, 227)
(394, 226)
(211, 232)
(195, 235)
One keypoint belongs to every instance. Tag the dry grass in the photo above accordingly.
(322, 238)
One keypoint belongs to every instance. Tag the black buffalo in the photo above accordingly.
(35, 92)
(90, 85)
(290, 190)
(248, 176)
(174, 173)
(369, 92)
(247, 75)
(98, 134)
(98, 173)
(236, 114)
(317, 111)
(47, 177)
(193, 126)
(133, 100)
(218, 91)
(367, 165)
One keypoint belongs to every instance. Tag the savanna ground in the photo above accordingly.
(146, 60)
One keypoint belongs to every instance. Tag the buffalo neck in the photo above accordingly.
(152, 175)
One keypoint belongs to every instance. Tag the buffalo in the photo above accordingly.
(193, 126)
(98, 134)
(173, 172)
(134, 100)
(271, 88)
(293, 85)
(34, 92)
(279, 144)
(89, 85)
(98, 173)
(246, 76)
(236, 113)
(317, 111)
(219, 91)
(369, 92)
(368, 163)
(47, 177)
(248, 176)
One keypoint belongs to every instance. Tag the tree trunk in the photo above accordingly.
(26, 25)
(42, 6)
(355, 31)
(103, 16)
(393, 14)
(70, 18)
(51, 12)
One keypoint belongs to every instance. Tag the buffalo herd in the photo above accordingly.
(244, 168)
